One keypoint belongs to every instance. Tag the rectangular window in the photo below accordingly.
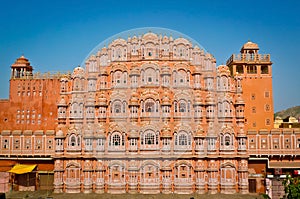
(251, 69)
(264, 69)
(298, 143)
(267, 94)
(240, 69)
(28, 143)
(16, 144)
(5, 144)
(263, 143)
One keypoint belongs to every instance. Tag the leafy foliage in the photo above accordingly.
(292, 187)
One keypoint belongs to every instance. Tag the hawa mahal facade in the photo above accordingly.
(147, 114)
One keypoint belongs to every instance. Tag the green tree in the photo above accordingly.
(291, 187)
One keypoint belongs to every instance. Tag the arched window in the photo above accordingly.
(182, 171)
(73, 140)
(149, 138)
(116, 140)
(182, 77)
(175, 107)
(117, 108)
(224, 83)
(118, 53)
(149, 106)
(76, 84)
(182, 106)
(63, 86)
(227, 140)
(182, 139)
(150, 75)
(118, 78)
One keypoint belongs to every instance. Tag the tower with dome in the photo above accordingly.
(146, 113)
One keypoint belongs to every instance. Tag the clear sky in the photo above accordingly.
(56, 35)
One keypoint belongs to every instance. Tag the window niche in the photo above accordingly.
(264, 69)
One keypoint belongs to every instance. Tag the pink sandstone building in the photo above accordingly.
(147, 114)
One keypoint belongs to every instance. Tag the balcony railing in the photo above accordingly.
(248, 57)
(183, 180)
(150, 181)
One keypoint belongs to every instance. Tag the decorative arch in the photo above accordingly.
(116, 172)
(150, 162)
(227, 139)
(116, 127)
(150, 127)
(116, 139)
(118, 107)
(149, 137)
(227, 164)
(223, 83)
(116, 162)
(183, 139)
(150, 172)
(183, 162)
(73, 164)
(183, 171)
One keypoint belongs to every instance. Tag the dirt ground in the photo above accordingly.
(50, 195)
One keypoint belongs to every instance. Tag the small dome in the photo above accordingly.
(133, 133)
(250, 45)
(93, 58)
(134, 39)
(104, 73)
(166, 132)
(239, 100)
(166, 99)
(104, 50)
(59, 134)
(90, 101)
(150, 36)
(62, 102)
(102, 101)
(165, 39)
(22, 62)
(166, 70)
(209, 99)
(198, 98)
(100, 133)
(134, 71)
(199, 132)
(134, 100)
(78, 71)
(88, 133)
(197, 70)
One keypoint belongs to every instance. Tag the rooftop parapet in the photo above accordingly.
(248, 58)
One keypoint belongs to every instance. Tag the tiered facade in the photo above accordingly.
(150, 114)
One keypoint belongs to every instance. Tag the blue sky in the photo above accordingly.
(57, 35)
